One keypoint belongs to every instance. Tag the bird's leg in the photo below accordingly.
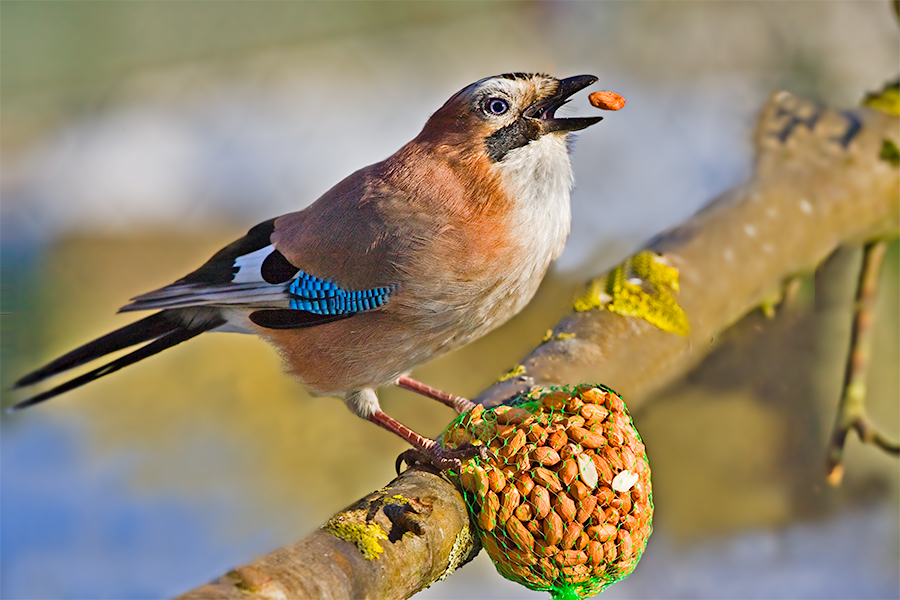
(364, 403)
(428, 449)
(457, 403)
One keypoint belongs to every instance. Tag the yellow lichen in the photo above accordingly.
(519, 370)
(351, 527)
(565, 336)
(462, 547)
(889, 152)
(594, 297)
(887, 100)
(770, 302)
(640, 287)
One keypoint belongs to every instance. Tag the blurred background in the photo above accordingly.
(138, 138)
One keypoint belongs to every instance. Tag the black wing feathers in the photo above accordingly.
(138, 332)
(286, 318)
(220, 268)
(166, 341)
(277, 269)
(166, 329)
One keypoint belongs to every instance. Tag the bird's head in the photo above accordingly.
(500, 114)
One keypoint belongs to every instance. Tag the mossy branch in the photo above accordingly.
(821, 181)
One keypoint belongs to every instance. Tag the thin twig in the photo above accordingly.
(851, 412)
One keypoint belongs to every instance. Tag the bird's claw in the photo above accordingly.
(443, 459)
(467, 451)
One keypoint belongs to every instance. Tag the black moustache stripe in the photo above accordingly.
(515, 135)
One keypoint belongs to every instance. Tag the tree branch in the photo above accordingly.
(820, 182)
(851, 413)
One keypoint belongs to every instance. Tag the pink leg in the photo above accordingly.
(440, 457)
(457, 403)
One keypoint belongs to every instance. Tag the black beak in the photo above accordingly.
(544, 109)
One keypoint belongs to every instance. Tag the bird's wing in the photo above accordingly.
(301, 269)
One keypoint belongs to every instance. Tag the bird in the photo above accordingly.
(400, 262)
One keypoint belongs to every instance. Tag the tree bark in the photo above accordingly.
(823, 179)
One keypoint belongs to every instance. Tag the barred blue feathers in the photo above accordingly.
(323, 297)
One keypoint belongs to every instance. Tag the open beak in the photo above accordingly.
(544, 110)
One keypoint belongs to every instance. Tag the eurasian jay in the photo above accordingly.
(400, 262)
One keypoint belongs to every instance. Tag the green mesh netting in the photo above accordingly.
(564, 503)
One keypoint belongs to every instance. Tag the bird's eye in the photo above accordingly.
(496, 106)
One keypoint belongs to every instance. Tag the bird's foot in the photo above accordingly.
(442, 459)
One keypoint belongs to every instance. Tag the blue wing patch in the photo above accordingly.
(323, 297)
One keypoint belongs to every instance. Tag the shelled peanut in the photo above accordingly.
(565, 499)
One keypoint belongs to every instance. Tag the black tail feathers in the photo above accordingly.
(165, 328)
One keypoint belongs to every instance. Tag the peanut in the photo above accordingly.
(593, 395)
(602, 533)
(571, 534)
(588, 439)
(487, 518)
(622, 502)
(594, 412)
(547, 478)
(582, 541)
(540, 499)
(585, 509)
(568, 471)
(570, 450)
(568, 558)
(606, 100)
(564, 507)
(545, 456)
(536, 434)
(496, 479)
(595, 552)
(574, 404)
(542, 548)
(548, 569)
(523, 512)
(609, 551)
(577, 573)
(573, 421)
(604, 471)
(524, 483)
(521, 462)
(614, 435)
(481, 481)
(579, 491)
(553, 528)
(604, 496)
(467, 478)
(513, 444)
(519, 534)
(509, 500)
(587, 470)
(626, 544)
(557, 439)
(593, 425)
(511, 415)
(555, 401)
(520, 556)
(614, 403)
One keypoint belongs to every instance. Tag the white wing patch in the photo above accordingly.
(250, 265)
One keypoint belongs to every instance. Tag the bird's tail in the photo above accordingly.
(166, 329)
